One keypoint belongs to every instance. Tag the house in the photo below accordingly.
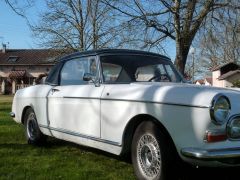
(23, 67)
(224, 75)
(206, 82)
(199, 82)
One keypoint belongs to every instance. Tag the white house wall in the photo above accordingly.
(215, 81)
(228, 82)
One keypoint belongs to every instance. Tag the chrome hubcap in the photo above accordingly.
(148, 156)
(31, 127)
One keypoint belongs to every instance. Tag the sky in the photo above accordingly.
(15, 32)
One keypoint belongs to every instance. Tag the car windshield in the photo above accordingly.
(138, 68)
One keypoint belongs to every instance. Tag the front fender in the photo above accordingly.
(34, 97)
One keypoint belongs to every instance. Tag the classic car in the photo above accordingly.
(128, 101)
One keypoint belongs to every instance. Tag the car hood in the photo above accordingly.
(173, 93)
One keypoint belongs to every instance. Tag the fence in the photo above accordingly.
(20, 86)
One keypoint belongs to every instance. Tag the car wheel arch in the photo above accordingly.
(133, 124)
(24, 112)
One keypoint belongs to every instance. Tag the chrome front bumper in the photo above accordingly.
(211, 154)
(12, 114)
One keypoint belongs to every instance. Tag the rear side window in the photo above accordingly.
(153, 73)
(73, 71)
(110, 72)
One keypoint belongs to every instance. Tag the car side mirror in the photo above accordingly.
(91, 77)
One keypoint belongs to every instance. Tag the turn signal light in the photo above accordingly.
(215, 136)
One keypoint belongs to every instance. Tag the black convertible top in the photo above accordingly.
(53, 77)
(111, 52)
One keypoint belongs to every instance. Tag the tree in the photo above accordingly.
(19, 8)
(76, 25)
(176, 20)
(221, 43)
(236, 83)
(91, 24)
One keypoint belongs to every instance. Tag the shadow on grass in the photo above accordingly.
(186, 172)
(190, 173)
(56, 143)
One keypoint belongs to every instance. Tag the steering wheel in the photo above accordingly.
(162, 77)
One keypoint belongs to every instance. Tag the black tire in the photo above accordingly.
(32, 132)
(152, 154)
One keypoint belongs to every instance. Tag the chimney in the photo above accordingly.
(4, 48)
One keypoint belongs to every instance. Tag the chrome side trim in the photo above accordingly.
(90, 98)
(80, 135)
(211, 154)
(12, 114)
(139, 101)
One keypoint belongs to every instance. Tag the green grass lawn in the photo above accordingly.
(63, 160)
(56, 160)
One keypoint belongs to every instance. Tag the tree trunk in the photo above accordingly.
(182, 49)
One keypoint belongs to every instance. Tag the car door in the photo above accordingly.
(74, 105)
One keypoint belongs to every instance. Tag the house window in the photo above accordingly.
(12, 58)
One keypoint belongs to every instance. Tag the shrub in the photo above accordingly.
(236, 83)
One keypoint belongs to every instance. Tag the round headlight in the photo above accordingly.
(220, 109)
(233, 127)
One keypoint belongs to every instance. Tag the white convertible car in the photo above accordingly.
(125, 101)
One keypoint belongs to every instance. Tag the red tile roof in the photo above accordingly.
(209, 80)
(28, 56)
(200, 81)
(17, 74)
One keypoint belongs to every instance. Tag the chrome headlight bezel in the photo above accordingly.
(215, 106)
(233, 131)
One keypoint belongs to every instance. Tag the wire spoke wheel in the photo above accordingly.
(149, 156)
(152, 153)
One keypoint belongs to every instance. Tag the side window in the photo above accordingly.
(110, 72)
(152, 73)
(73, 71)
(53, 76)
(92, 67)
